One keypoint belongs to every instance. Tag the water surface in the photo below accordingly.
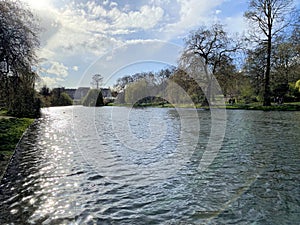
(82, 166)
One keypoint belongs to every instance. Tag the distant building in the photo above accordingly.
(58, 91)
(71, 92)
(78, 94)
(81, 92)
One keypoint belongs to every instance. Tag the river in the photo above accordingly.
(116, 165)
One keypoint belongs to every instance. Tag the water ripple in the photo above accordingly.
(71, 168)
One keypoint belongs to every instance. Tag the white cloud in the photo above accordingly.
(218, 11)
(76, 33)
(90, 28)
(46, 53)
(113, 4)
(58, 69)
(105, 2)
(75, 68)
(147, 17)
(96, 10)
(193, 13)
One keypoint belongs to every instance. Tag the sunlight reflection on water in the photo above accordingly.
(62, 175)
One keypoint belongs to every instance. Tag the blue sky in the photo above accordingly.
(120, 37)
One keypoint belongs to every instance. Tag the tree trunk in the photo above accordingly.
(207, 100)
(267, 97)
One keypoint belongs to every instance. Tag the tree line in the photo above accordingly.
(269, 71)
(60, 97)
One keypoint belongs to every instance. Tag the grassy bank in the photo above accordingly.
(11, 130)
(294, 106)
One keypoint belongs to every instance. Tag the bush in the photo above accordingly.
(293, 93)
(93, 98)
(61, 99)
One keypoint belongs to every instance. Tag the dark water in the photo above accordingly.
(120, 166)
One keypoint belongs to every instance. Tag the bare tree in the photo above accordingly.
(211, 45)
(97, 80)
(269, 18)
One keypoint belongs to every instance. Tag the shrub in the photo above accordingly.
(93, 98)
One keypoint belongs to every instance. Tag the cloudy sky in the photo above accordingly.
(114, 38)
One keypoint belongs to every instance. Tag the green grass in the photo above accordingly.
(11, 131)
(294, 106)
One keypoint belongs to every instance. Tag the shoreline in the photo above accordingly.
(11, 132)
(254, 106)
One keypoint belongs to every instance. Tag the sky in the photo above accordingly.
(115, 38)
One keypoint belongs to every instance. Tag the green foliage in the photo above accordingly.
(176, 94)
(23, 101)
(136, 91)
(294, 92)
(184, 89)
(246, 92)
(61, 99)
(93, 98)
(45, 101)
(297, 85)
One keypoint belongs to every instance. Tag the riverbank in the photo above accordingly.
(11, 130)
(294, 106)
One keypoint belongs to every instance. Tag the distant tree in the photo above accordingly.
(122, 82)
(97, 80)
(269, 18)
(189, 89)
(45, 91)
(65, 99)
(93, 98)
(60, 98)
(254, 68)
(162, 78)
(137, 91)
